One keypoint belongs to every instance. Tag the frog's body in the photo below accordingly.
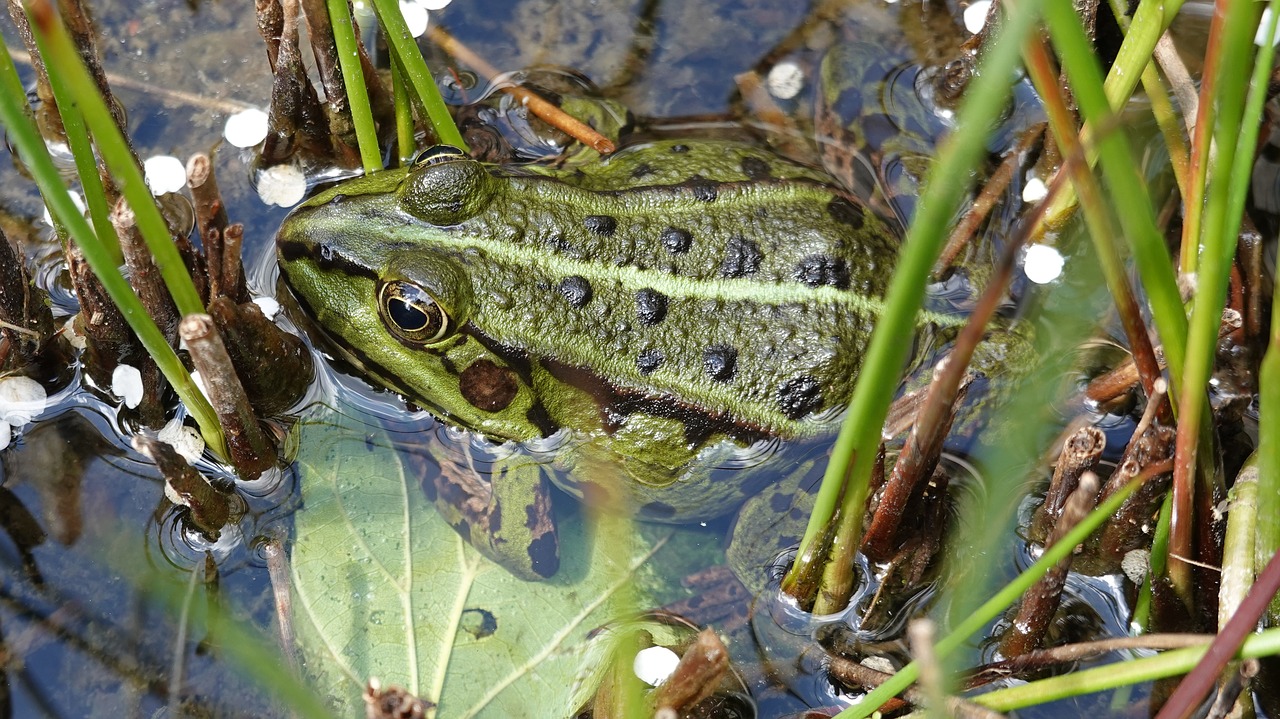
(673, 299)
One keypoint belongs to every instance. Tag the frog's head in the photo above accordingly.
(370, 262)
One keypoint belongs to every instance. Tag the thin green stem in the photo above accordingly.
(344, 39)
(405, 143)
(95, 196)
(406, 52)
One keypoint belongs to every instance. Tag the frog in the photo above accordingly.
(665, 318)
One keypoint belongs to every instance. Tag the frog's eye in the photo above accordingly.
(411, 314)
(437, 153)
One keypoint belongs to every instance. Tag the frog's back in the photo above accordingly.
(710, 275)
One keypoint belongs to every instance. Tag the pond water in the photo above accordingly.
(101, 573)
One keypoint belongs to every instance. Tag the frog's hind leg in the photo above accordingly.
(506, 516)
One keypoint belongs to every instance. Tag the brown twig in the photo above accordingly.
(546, 111)
(250, 449)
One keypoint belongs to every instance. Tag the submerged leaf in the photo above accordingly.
(385, 588)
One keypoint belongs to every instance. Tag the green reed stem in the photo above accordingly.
(405, 50)
(1149, 22)
(1122, 673)
(60, 53)
(95, 196)
(344, 39)
(25, 137)
(1240, 542)
(405, 142)
(1267, 527)
(991, 608)
(848, 472)
(1218, 238)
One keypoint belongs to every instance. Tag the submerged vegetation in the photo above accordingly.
(1115, 526)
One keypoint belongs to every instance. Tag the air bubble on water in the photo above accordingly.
(975, 16)
(76, 200)
(785, 80)
(654, 664)
(21, 399)
(126, 383)
(269, 306)
(1034, 191)
(185, 440)
(1042, 264)
(282, 185)
(164, 174)
(246, 128)
(415, 16)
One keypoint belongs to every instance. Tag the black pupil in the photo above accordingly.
(407, 316)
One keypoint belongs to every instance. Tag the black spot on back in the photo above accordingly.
(651, 306)
(642, 170)
(676, 240)
(720, 362)
(799, 396)
(649, 360)
(755, 168)
(602, 225)
(842, 210)
(704, 190)
(818, 270)
(679, 149)
(741, 257)
(576, 289)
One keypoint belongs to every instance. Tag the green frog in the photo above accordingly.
(666, 314)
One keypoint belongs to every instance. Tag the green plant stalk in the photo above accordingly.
(1267, 528)
(59, 52)
(26, 138)
(1238, 547)
(1130, 671)
(1156, 564)
(855, 449)
(1218, 240)
(344, 39)
(406, 52)
(404, 116)
(1268, 453)
(1149, 22)
(991, 608)
(1124, 182)
(95, 196)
